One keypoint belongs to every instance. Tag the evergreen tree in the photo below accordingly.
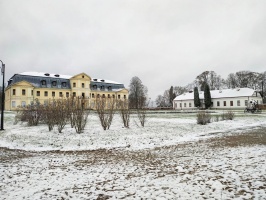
(207, 96)
(196, 97)
(172, 95)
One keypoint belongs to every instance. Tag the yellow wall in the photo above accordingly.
(32, 93)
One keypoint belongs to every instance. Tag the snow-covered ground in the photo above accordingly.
(170, 158)
(160, 130)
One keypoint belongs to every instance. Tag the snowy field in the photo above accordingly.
(170, 158)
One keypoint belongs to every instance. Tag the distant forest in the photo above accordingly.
(241, 79)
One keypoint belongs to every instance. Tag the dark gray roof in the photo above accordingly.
(36, 81)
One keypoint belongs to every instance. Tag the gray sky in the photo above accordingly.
(164, 43)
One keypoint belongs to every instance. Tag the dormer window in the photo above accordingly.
(95, 79)
(102, 87)
(64, 84)
(56, 75)
(54, 83)
(102, 80)
(109, 88)
(94, 87)
(43, 82)
(47, 74)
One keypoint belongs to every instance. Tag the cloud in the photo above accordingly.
(164, 43)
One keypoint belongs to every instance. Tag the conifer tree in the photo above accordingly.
(196, 97)
(207, 96)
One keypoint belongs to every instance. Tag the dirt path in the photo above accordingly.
(223, 168)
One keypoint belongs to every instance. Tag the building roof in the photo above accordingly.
(215, 94)
(35, 79)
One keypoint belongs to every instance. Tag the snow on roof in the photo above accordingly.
(215, 94)
(103, 81)
(42, 74)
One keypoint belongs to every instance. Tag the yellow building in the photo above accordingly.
(25, 87)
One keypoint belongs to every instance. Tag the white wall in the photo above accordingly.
(185, 103)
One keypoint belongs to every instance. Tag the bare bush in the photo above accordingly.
(124, 111)
(80, 115)
(229, 115)
(61, 113)
(32, 114)
(203, 118)
(142, 111)
(50, 115)
(216, 118)
(105, 110)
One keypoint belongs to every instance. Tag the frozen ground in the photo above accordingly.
(171, 158)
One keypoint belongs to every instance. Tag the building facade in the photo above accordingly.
(238, 98)
(24, 88)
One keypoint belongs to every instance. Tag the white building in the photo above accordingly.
(237, 98)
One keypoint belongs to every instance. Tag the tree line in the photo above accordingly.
(240, 79)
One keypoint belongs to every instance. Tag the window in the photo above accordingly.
(67, 94)
(224, 103)
(113, 96)
(13, 104)
(238, 102)
(98, 95)
(103, 96)
(63, 84)
(189, 104)
(82, 76)
(92, 95)
(31, 92)
(74, 94)
(83, 95)
(231, 103)
(54, 83)
(94, 87)
(185, 104)
(175, 105)
(74, 84)
(125, 96)
(83, 85)
(14, 92)
(61, 94)
(43, 82)
(109, 88)
(38, 93)
(102, 87)
(45, 93)
(118, 96)
(23, 92)
(180, 105)
(218, 103)
(23, 104)
(53, 94)
(246, 102)
(109, 96)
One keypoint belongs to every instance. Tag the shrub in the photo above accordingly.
(229, 115)
(203, 118)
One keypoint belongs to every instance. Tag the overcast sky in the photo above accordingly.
(163, 42)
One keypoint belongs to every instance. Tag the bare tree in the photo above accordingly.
(33, 113)
(80, 115)
(105, 110)
(137, 93)
(61, 113)
(124, 111)
(49, 114)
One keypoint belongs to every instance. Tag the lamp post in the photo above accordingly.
(3, 96)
